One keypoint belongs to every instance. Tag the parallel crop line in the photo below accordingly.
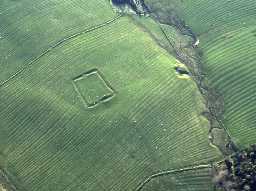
(57, 45)
(168, 172)
(51, 170)
(43, 145)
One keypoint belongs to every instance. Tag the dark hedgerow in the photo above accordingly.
(239, 171)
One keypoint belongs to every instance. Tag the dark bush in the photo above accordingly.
(241, 171)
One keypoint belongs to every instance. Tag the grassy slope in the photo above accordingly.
(52, 142)
(226, 30)
(194, 180)
(233, 60)
(30, 27)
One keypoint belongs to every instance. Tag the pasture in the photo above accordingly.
(51, 140)
(226, 30)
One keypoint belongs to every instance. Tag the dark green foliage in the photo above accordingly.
(181, 70)
(241, 171)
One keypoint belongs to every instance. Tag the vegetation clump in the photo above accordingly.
(130, 6)
(181, 70)
(239, 171)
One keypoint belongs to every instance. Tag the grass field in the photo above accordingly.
(226, 30)
(232, 71)
(50, 137)
(192, 180)
(28, 28)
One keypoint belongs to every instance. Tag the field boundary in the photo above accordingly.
(205, 92)
(65, 39)
(168, 172)
(214, 101)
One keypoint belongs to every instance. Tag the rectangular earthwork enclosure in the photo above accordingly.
(93, 88)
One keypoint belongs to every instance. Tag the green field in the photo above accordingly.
(226, 30)
(90, 100)
(50, 137)
(192, 180)
(30, 28)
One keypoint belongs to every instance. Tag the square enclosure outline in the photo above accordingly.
(93, 88)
